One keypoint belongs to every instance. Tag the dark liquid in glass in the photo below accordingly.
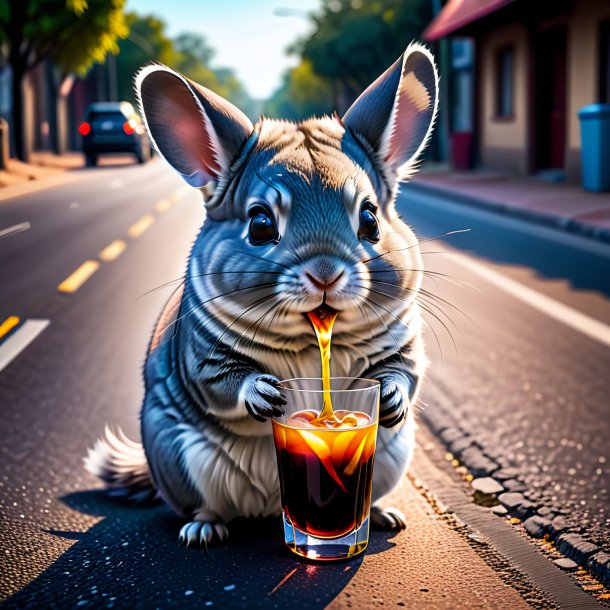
(325, 473)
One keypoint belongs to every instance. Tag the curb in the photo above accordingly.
(508, 490)
(562, 223)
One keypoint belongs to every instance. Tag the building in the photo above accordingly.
(518, 73)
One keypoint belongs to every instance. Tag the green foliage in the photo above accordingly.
(73, 33)
(194, 57)
(353, 39)
(303, 93)
(102, 22)
(352, 43)
(147, 42)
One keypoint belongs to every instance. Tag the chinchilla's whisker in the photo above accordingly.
(432, 274)
(194, 275)
(242, 334)
(273, 317)
(435, 297)
(446, 276)
(454, 232)
(268, 260)
(438, 343)
(429, 295)
(283, 305)
(436, 252)
(368, 322)
(430, 312)
(415, 245)
(426, 306)
(420, 301)
(260, 321)
(160, 287)
(235, 320)
(217, 296)
(368, 302)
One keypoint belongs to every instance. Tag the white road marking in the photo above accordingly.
(19, 340)
(563, 313)
(115, 184)
(22, 226)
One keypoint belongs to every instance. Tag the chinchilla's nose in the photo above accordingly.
(324, 273)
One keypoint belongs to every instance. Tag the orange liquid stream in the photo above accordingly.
(323, 327)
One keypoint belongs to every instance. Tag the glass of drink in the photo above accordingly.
(326, 465)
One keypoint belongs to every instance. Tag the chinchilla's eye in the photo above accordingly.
(262, 227)
(369, 228)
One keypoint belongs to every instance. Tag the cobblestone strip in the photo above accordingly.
(502, 490)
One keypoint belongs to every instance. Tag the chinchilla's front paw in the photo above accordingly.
(393, 406)
(263, 397)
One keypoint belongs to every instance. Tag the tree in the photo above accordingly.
(147, 42)
(303, 93)
(354, 40)
(73, 33)
(194, 61)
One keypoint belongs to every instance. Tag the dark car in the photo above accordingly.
(113, 127)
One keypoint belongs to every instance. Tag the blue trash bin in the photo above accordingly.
(595, 147)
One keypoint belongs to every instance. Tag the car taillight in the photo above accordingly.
(84, 129)
(129, 126)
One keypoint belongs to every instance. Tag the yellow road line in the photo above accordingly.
(163, 205)
(137, 228)
(74, 281)
(182, 192)
(113, 250)
(8, 324)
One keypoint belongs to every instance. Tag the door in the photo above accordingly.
(550, 98)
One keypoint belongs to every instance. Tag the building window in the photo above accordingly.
(604, 62)
(504, 83)
(462, 84)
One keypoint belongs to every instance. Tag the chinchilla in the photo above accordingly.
(301, 215)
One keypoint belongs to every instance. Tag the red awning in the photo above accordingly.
(458, 13)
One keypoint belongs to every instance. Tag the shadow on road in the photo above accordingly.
(132, 559)
(109, 161)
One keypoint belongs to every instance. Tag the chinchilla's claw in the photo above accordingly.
(202, 533)
(264, 399)
(221, 531)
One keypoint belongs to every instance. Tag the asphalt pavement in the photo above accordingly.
(525, 383)
(527, 390)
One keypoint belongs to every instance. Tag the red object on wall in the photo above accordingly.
(461, 150)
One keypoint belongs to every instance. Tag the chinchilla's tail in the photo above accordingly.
(121, 464)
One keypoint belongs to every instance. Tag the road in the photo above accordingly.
(527, 387)
(530, 387)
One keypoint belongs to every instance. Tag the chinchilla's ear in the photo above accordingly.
(396, 114)
(196, 131)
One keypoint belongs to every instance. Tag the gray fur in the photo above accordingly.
(238, 324)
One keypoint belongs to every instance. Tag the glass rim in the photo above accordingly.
(374, 383)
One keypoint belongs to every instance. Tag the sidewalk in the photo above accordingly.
(41, 165)
(563, 206)
(46, 169)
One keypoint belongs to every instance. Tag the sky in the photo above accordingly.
(246, 34)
